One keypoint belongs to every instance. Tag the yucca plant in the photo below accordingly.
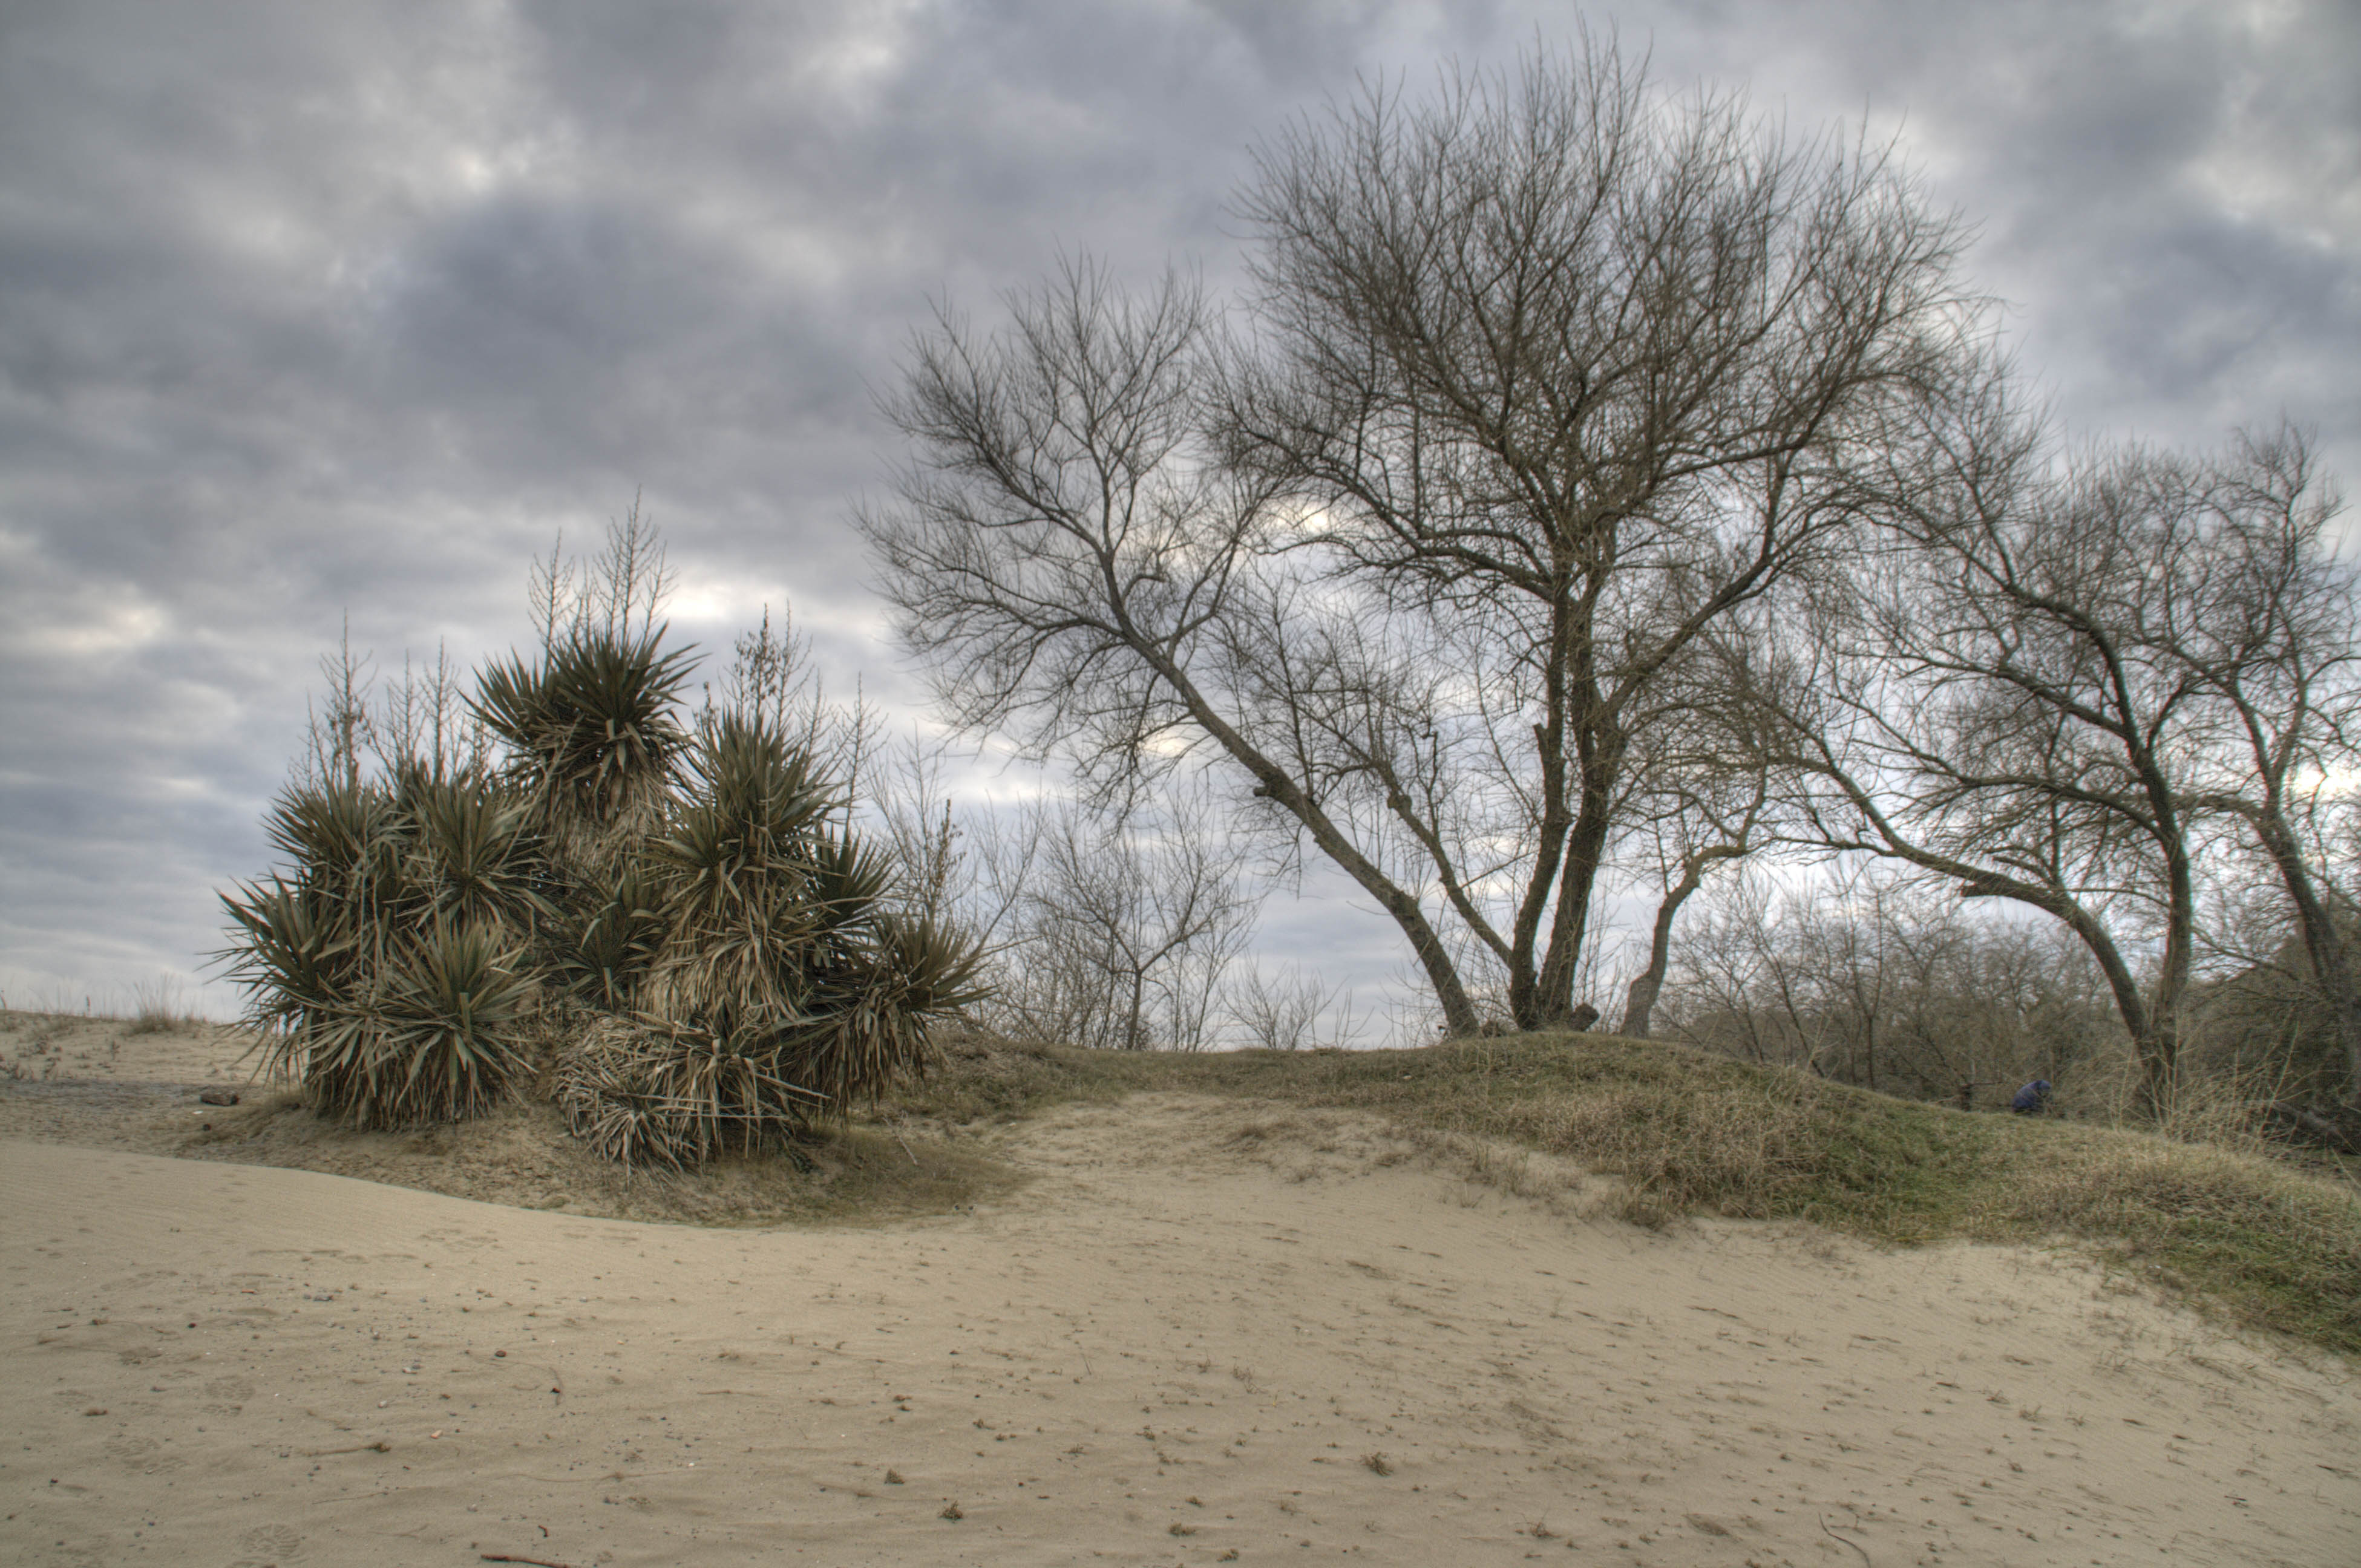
(736, 864)
(782, 988)
(389, 966)
(868, 1023)
(593, 736)
(601, 950)
(644, 1091)
(726, 959)
(438, 1036)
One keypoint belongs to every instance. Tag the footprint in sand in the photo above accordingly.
(142, 1453)
(271, 1541)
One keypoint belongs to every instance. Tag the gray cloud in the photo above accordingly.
(309, 311)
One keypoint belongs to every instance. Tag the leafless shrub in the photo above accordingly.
(1124, 925)
(1284, 1013)
(1879, 981)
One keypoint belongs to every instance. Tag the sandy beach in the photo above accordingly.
(1203, 1333)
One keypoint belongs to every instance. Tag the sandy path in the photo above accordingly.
(1168, 1349)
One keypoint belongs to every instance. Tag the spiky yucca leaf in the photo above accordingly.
(293, 953)
(746, 770)
(593, 734)
(336, 835)
(937, 969)
(390, 971)
(783, 988)
(739, 838)
(870, 1023)
(847, 883)
(436, 1037)
(603, 952)
(302, 945)
(735, 865)
(481, 862)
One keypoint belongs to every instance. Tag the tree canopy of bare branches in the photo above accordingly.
(2268, 626)
(1542, 378)
(2065, 677)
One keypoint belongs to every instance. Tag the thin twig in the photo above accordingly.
(537, 1562)
(381, 1446)
(1846, 1540)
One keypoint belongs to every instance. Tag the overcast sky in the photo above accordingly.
(320, 309)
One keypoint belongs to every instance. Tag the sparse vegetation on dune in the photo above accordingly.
(1683, 1132)
(1691, 1132)
(103, 1082)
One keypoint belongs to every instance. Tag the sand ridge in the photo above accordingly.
(1199, 1333)
(43, 1047)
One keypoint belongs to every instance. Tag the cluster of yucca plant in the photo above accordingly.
(683, 908)
(392, 968)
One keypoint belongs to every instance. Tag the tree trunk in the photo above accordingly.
(2334, 969)
(1640, 996)
(1274, 784)
(1552, 1002)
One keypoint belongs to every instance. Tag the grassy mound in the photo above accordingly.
(1692, 1133)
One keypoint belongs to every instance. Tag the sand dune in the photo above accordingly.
(1175, 1347)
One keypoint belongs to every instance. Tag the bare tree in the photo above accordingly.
(913, 803)
(1283, 1013)
(1705, 785)
(1079, 572)
(1578, 372)
(1990, 707)
(2267, 621)
(1546, 377)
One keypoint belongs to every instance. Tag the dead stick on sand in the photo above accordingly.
(1846, 1540)
(381, 1446)
(537, 1562)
